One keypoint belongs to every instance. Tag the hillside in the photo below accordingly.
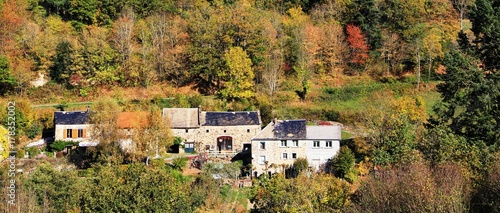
(415, 84)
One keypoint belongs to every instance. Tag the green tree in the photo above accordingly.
(365, 14)
(300, 165)
(7, 81)
(484, 17)
(56, 191)
(60, 71)
(105, 130)
(239, 76)
(470, 99)
(343, 162)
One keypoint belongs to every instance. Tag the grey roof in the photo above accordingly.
(290, 129)
(71, 117)
(284, 129)
(230, 118)
(297, 129)
(182, 117)
(324, 132)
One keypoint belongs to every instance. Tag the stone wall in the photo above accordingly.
(207, 136)
(274, 154)
(60, 132)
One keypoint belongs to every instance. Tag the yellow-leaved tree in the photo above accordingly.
(239, 76)
(153, 138)
(4, 143)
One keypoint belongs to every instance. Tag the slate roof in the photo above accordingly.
(290, 129)
(297, 129)
(182, 117)
(324, 132)
(230, 118)
(284, 129)
(71, 117)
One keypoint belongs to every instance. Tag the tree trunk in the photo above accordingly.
(418, 68)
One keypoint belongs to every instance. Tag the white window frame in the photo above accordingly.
(329, 143)
(284, 155)
(262, 145)
(295, 143)
(314, 144)
(262, 159)
(283, 142)
(295, 156)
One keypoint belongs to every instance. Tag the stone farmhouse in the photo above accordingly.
(221, 132)
(281, 142)
(72, 126)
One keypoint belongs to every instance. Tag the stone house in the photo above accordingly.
(72, 126)
(213, 131)
(281, 142)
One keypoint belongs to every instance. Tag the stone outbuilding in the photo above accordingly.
(206, 131)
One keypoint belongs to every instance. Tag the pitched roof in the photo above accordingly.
(230, 118)
(284, 129)
(324, 132)
(297, 129)
(182, 117)
(129, 120)
(71, 117)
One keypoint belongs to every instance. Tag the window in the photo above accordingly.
(80, 133)
(294, 155)
(284, 155)
(248, 130)
(295, 143)
(187, 130)
(224, 131)
(283, 143)
(316, 144)
(208, 131)
(262, 159)
(262, 145)
(69, 133)
(329, 144)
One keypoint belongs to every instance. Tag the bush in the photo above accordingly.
(179, 163)
(34, 130)
(33, 151)
(300, 165)
(58, 145)
(343, 163)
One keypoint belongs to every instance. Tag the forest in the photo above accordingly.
(414, 82)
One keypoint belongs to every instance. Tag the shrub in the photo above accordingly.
(34, 130)
(343, 162)
(300, 165)
(59, 145)
(179, 163)
(33, 151)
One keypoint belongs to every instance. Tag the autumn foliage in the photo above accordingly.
(357, 43)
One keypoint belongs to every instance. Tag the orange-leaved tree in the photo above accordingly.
(357, 43)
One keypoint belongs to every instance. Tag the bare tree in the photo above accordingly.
(123, 32)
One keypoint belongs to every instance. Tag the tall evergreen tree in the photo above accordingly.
(486, 27)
